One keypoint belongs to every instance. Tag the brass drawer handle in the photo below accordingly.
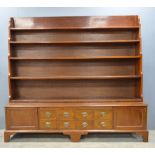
(103, 124)
(84, 124)
(103, 113)
(66, 124)
(84, 114)
(47, 124)
(66, 114)
(48, 114)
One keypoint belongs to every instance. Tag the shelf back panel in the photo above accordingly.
(74, 35)
(90, 50)
(76, 21)
(73, 89)
(49, 68)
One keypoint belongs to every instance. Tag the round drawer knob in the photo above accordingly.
(48, 114)
(103, 113)
(84, 114)
(66, 114)
(47, 124)
(103, 124)
(84, 124)
(66, 124)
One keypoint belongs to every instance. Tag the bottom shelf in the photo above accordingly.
(75, 89)
(72, 101)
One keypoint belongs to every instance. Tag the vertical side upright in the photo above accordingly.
(140, 62)
(11, 24)
(138, 69)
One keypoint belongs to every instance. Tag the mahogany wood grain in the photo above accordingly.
(73, 68)
(22, 118)
(81, 21)
(75, 75)
(63, 51)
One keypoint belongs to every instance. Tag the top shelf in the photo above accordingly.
(75, 28)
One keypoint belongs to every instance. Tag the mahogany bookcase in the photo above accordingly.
(75, 75)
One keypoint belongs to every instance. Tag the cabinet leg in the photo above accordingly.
(75, 136)
(7, 136)
(144, 134)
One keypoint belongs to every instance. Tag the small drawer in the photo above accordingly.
(66, 115)
(44, 124)
(82, 125)
(103, 124)
(47, 114)
(66, 125)
(103, 114)
(84, 114)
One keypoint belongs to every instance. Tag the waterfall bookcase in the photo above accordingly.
(75, 75)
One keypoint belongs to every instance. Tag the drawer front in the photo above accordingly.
(44, 124)
(45, 113)
(103, 114)
(66, 114)
(100, 124)
(82, 125)
(84, 114)
(66, 125)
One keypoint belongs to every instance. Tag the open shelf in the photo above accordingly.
(74, 88)
(74, 28)
(75, 62)
(75, 58)
(76, 42)
(101, 101)
(76, 77)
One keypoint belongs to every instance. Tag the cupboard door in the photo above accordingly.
(21, 118)
(127, 118)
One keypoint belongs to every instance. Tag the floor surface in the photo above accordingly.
(92, 140)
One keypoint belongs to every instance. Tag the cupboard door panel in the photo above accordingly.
(130, 118)
(21, 118)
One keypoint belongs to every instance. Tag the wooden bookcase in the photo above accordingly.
(75, 75)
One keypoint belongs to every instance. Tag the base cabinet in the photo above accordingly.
(76, 120)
